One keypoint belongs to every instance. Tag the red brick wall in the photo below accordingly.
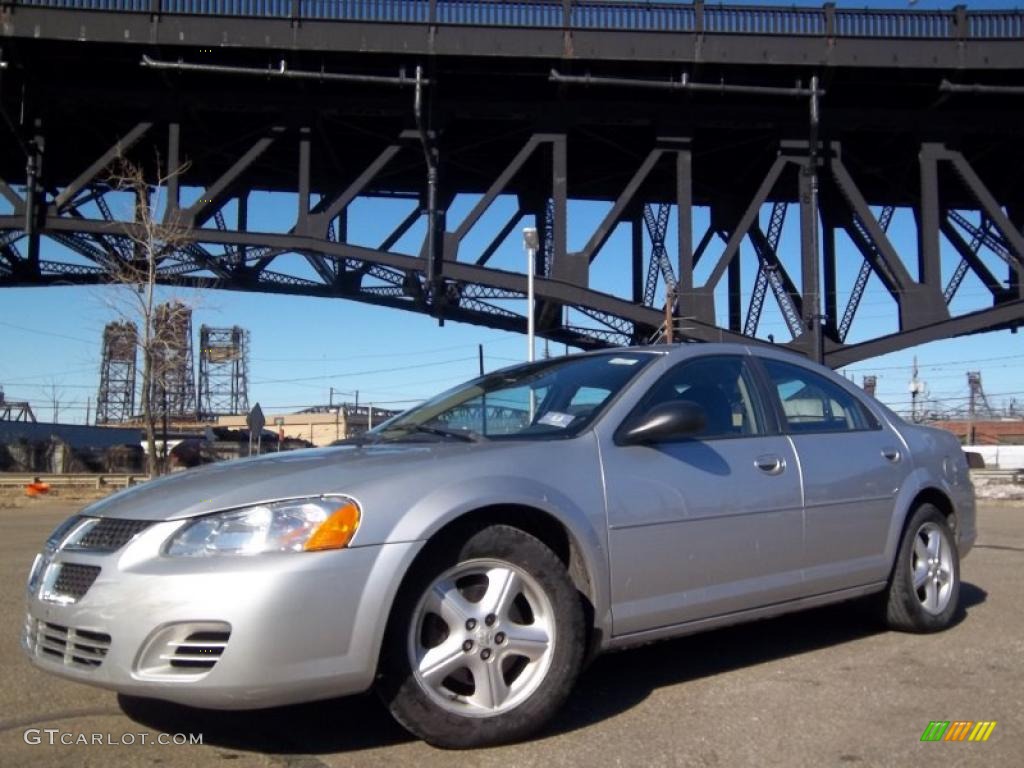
(985, 432)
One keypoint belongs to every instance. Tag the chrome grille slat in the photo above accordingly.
(186, 650)
(95, 652)
(200, 650)
(203, 657)
(73, 647)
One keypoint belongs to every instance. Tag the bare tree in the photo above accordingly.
(154, 235)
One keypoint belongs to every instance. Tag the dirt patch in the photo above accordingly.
(15, 498)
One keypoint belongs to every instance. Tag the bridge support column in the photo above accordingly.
(173, 164)
(35, 208)
(809, 276)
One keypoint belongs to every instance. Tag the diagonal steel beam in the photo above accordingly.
(989, 206)
(861, 281)
(742, 227)
(503, 233)
(399, 232)
(214, 196)
(318, 222)
(607, 225)
(779, 281)
(498, 186)
(16, 200)
(86, 177)
(775, 222)
(969, 259)
(657, 229)
(870, 230)
(988, 238)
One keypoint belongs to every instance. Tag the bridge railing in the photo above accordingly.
(633, 15)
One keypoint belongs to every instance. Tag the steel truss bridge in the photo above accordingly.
(714, 122)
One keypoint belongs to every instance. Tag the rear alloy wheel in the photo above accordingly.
(485, 643)
(924, 590)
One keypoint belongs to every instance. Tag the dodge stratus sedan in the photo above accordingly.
(466, 557)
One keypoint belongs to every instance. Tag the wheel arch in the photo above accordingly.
(937, 498)
(535, 521)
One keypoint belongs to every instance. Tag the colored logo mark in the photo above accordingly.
(958, 730)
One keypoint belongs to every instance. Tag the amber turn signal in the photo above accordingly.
(337, 530)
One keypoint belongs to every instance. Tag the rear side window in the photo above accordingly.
(812, 403)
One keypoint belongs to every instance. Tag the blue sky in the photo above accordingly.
(301, 347)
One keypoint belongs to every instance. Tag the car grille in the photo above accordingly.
(109, 534)
(74, 580)
(73, 647)
(199, 651)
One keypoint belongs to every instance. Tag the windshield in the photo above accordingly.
(549, 399)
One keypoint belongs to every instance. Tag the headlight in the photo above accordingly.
(295, 525)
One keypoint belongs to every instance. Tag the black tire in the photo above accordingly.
(904, 606)
(408, 699)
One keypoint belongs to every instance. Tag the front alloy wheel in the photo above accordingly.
(932, 568)
(485, 641)
(924, 589)
(482, 638)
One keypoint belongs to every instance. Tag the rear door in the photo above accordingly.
(853, 466)
(707, 525)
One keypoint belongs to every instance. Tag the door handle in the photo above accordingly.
(770, 464)
(892, 454)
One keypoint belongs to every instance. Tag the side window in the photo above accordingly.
(722, 386)
(812, 403)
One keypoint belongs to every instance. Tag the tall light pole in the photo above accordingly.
(531, 243)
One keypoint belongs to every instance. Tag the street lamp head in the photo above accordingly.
(530, 239)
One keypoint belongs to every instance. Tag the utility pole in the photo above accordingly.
(916, 388)
(531, 243)
(977, 393)
(669, 319)
(480, 353)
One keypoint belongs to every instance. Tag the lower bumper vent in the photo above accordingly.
(200, 650)
(186, 650)
(72, 647)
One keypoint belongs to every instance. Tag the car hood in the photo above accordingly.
(292, 474)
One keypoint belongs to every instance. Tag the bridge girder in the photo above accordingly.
(542, 146)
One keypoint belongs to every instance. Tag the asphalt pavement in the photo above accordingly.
(823, 688)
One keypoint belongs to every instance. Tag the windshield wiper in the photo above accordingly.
(466, 435)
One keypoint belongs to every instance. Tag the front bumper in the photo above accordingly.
(281, 628)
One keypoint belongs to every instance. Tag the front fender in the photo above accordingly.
(583, 519)
(921, 480)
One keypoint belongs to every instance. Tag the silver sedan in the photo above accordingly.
(466, 557)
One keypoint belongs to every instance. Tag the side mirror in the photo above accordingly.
(665, 421)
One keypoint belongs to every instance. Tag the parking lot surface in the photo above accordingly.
(822, 688)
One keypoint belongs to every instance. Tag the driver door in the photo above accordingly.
(708, 524)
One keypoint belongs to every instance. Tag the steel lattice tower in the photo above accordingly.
(223, 371)
(115, 401)
(174, 387)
